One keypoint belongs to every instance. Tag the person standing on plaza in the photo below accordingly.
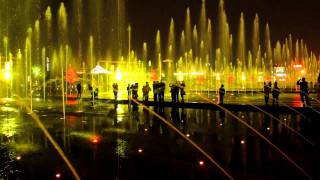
(90, 88)
(318, 87)
(162, 88)
(115, 90)
(172, 91)
(129, 91)
(79, 90)
(176, 91)
(145, 90)
(275, 94)
(222, 92)
(304, 91)
(266, 91)
(155, 90)
(135, 91)
(182, 91)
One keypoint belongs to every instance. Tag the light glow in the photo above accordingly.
(201, 163)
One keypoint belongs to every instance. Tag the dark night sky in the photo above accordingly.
(300, 18)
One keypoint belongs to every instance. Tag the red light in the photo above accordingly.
(95, 139)
(58, 175)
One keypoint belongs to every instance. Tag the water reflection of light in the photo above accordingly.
(25, 148)
(71, 102)
(201, 163)
(8, 126)
(58, 175)
(121, 148)
(72, 120)
(8, 109)
(95, 139)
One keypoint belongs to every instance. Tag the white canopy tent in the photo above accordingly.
(99, 70)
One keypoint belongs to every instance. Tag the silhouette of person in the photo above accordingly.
(135, 91)
(145, 90)
(155, 90)
(96, 93)
(162, 87)
(182, 91)
(90, 88)
(222, 92)
(79, 90)
(115, 90)
(318, 87)
(266, 91)
(275, 94)
(304, 91)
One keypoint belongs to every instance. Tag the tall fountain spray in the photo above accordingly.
(158, 54)
(255, 40)
(268, 50)
(204, 53)
(77, 9)
(171, 49)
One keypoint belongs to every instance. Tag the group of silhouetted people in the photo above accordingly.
(267, 90)
(176, 89)
(158, 91)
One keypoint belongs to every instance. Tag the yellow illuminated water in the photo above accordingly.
(184, 137)
(37, 120)
(259, 134)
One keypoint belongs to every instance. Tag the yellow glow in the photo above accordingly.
(218, 77)
(8, 109)
(8, 66)
(118, 74)
(243, 77)
(180, 77)
(7, 73)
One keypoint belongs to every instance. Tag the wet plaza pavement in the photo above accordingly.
(117, 141)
